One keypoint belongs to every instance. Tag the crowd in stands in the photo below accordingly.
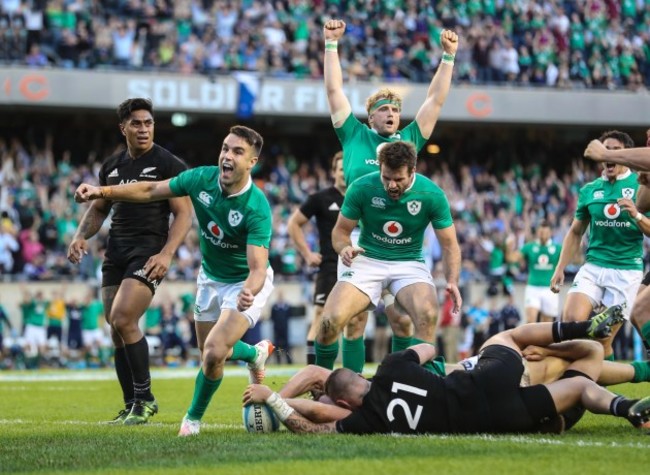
(554, 43)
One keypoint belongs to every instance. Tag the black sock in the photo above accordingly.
(563, 331)
(620, 406)
(311, 352)
(138, 355)
(123, 371)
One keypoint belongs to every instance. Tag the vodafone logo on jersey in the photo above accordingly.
(393, 228)
(215, 230)
(612, 211)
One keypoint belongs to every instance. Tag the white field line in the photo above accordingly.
(8, 422)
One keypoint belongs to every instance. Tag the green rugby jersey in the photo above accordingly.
(361, 146)
(541, 260)
(615, 240)
(393, 230)
(227, 224)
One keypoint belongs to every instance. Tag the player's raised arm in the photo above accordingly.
(140, 192)
(429, 112)
(339, 104)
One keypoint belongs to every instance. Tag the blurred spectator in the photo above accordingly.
(280, 314)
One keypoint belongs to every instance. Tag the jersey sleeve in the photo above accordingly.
(411, 133)
(348, 130)
(260, 228)
(441, 212)
(351, 208)
(355, 423)
(182, 184)
(310, 206)
(582, 211)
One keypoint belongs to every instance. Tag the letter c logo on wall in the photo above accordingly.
(479, 104)
(34, 87)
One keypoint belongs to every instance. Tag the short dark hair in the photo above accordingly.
(252, 138)
(128, 107)
(395, 155)
(337, 156)
(336, 384)
(622, 137)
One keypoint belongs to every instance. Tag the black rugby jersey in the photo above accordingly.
(136, 222)
(406, 398)
(324, 205)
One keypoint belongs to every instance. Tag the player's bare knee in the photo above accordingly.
(328, 330)
(214, 357)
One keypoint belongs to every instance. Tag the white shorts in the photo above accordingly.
(608, 286)
(35, 335)
(212, 297)
(542, 299)
(354, 239)
(371, 276)
(92, 337)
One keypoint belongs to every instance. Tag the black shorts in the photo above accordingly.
(55, 332)
(325, 281)
(646, 279)
(127, 262)
(74, 335)
(511, 408)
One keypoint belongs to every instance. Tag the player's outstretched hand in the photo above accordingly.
(256, 394)
(86, 192)
(449, 41)
(595, 151)
(333, 29)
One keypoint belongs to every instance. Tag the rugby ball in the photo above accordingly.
(260, 419)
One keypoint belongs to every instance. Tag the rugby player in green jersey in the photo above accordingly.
(540, 256)
(361, 142)
(235, 280)
(639, 159)
(613, 268)
(394, 207)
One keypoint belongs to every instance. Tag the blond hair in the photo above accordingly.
(388, 94)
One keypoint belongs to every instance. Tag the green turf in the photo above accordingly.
(54, 426)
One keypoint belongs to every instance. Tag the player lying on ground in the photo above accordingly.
(405, 398)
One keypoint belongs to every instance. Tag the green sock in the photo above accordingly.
(641, 371)
(610, 358)
(400, 343)
(354, 354)
(326, 354)
(437, 365)
(204, 389)
(243, 352)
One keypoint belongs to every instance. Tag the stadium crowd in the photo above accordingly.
(554, 43)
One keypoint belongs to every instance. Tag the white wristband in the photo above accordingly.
(279, 406)
(638, 217)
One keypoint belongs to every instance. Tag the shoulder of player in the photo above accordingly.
(425, 186)
(161, 153)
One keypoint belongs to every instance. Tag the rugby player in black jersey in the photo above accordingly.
(141, 245)
(404, 398)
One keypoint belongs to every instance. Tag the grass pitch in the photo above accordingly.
(50, 422)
